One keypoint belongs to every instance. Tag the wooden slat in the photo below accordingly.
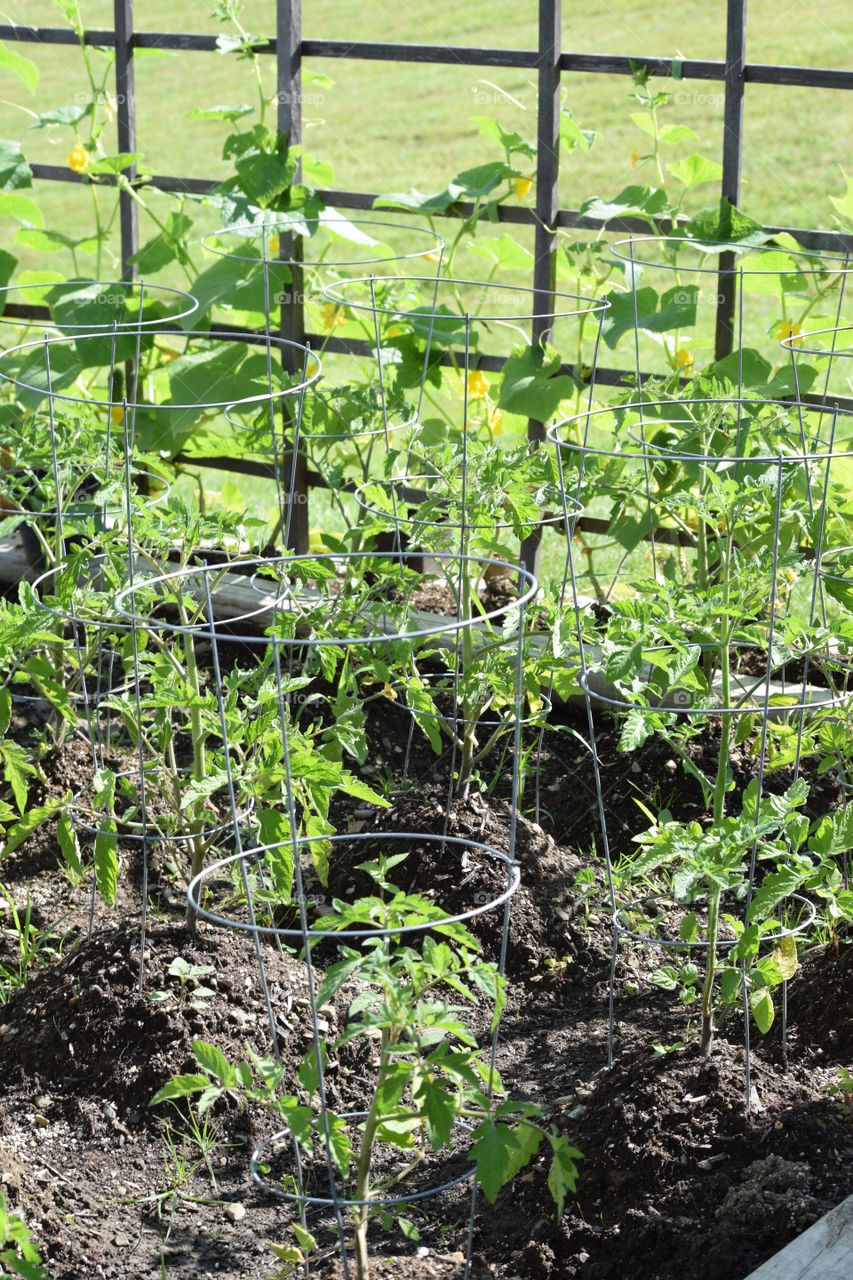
(824, 1252)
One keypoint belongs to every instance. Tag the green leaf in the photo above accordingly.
(438, 1106)
(69, 846)
(352, 786)
(67, 116)
(180, 1087)
(533, 385)
(842, 830)
(495, 1153)
(730, 982)
(221, 113)
(676, 309)
(563, 1173)
(503, 251)
(725, 223)
(165, 247)
(115, 164)
(844, 204)
(784, 956)
(5, 710)
(695, 170)
(30, 822)
(761, 1008)
(106, 861)
(775, 888)
(274, 829)
(304, 1238)
(17, 65)
(14, 170)
(213, 1060)
(24, 208)
(7, 266)
(308, 1072)
(632, 202)
(337, 975)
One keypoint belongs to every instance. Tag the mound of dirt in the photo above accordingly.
(84, 1025)
(543, 923)
(820, 1004)
(676, 1179)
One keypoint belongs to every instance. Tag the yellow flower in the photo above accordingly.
(523, 187)
(272, 249)
(684, 360)
(635, 158)
(394, 331)
(110, 108)
(117, 414)
(431, 256)
(496, 420)
(333, 316)
(789, 329)
(478, 384)
(388, 692)
(77, 158)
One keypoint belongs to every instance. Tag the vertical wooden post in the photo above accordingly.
(292, 313)
(126, 126)
(547, 203)
(732, 156)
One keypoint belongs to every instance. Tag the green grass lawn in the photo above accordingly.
(386, 127)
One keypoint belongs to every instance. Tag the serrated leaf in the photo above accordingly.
(361, 791)
(181, 1086)
(69, 845)
(438, 1107)
(106, 861)
(563, 1173)
(213, 1060)
(775, 888)
(30, 822)
(761, 1008)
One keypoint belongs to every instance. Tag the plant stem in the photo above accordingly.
(720, 785)
(365, 1156)
(196, 823)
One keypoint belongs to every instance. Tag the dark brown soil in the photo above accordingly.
(820, 1003)
(676, 1180)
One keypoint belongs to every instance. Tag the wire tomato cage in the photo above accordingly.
(102, 537)
(322, 616)
(720, 509)
(740, 296)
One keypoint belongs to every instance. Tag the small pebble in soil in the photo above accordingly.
(235, 1212)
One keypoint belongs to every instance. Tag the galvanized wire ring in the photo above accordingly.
(450, 626)
(246, 856)
(379, 1202)
(309, 360)
(93, 508)
(147, 293)
(656, 454)
(596, 305)
(149, 832)
(708, 247)
(284, 226)
(681, 706)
